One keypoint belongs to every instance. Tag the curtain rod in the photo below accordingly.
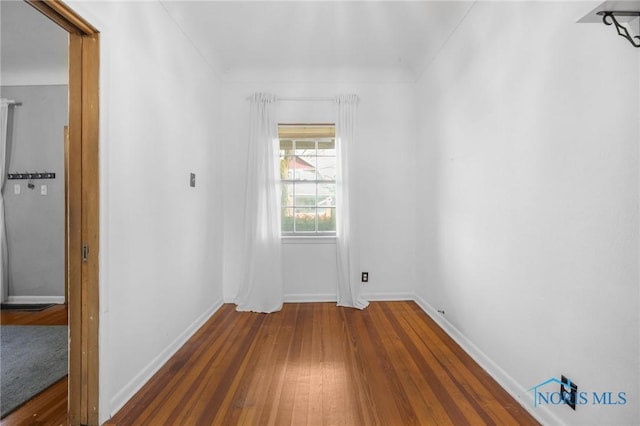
(309, 99)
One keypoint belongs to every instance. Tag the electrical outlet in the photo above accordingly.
(365, 277)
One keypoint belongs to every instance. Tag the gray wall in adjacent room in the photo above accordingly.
(35, 222)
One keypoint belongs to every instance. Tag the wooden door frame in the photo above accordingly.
(82, 210)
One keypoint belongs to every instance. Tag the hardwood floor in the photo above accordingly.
(310, 364)
(47, 408)
(318, 364)
(50, 406)
(55, 315)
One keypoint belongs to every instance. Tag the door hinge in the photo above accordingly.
(85, 253)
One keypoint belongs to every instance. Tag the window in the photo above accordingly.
(308, 173)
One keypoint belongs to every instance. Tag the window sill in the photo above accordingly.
(308, 240)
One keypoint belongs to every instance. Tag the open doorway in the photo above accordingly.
(35, 92)
(81, 218)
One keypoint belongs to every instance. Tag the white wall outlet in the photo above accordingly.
(43, 189)
(16, 189)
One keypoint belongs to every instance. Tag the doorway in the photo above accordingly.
(81, 210)
(35, 86)
(34, 336)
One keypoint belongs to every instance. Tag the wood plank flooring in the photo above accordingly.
(47, 408)
(50, 406)
(318, 364)
(55, 315)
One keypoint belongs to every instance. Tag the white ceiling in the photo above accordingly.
(236, 36)
(389, 35)
(275, 35)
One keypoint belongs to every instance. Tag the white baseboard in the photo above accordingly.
(387, 297)
(130, 389)
(332, 297)
(541, 413)
(305, 298)
(15, 300)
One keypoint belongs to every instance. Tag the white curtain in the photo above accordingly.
(4, 263)
(262, 287)
(346, 218)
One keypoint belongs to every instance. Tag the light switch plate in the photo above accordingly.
(16, 189)
(43, 189)
(192, 180)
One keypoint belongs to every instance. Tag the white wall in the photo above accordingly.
(525, 183)
(386, 198)
(528, 200)
(34, 48)
(35, 222)
(34, 71)
(161, 241)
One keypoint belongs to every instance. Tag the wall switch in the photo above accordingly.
(192, 180)
(43, 189)
(16, 189)
(365, 277)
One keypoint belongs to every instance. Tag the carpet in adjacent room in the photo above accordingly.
(32, 358)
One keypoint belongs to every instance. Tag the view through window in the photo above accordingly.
(308, 173)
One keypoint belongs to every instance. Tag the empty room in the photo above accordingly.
(334, 212)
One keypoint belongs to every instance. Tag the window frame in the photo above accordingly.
(317, 133)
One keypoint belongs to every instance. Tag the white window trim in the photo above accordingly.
(308, 239)
(319, 237)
